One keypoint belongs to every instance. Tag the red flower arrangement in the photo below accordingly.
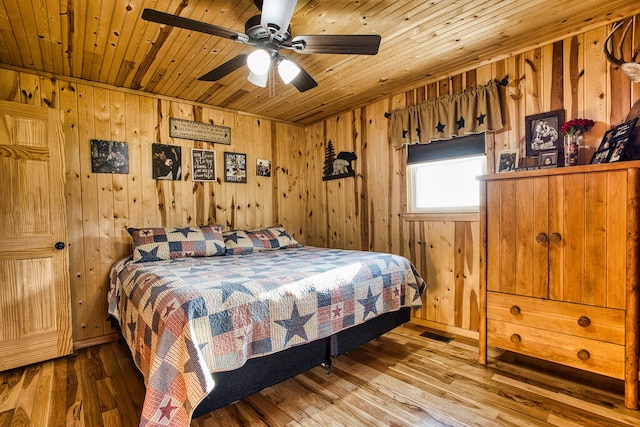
(577, 126)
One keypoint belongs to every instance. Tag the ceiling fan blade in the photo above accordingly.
(357, 44)
(277, 12)
(303, 81)
(226, 68)
(190, 24)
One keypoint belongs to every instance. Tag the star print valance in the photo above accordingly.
(469, 111)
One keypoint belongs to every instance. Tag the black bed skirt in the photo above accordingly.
(262, 372)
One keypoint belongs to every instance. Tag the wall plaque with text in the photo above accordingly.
(197, 131)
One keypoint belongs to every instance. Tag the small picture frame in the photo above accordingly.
(263, 167)
(618, 150)
(548, 158)
(508, 160)
(542, 132)
(601, 156)
(203, 165)
(109, 156)
(167, 161)
(605, 144)
(235, 167)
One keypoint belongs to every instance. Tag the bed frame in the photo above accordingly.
(265, 371)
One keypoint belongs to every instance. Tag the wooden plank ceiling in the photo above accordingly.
(106, 41)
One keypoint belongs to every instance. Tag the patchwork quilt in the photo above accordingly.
(187, 317)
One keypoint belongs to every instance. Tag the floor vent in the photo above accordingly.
(436, 337)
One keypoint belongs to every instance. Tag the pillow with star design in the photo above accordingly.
(163, 243)
(240, 242)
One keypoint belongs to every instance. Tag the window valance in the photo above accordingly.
(472, 110)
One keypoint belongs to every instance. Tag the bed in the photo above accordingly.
(210, 323)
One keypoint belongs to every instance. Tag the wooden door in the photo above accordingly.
(517, 226)
(587, 247)
(35, 322)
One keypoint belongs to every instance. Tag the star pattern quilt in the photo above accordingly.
(187, 317)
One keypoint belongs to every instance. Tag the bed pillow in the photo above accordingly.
(156, 244)
(239, 242)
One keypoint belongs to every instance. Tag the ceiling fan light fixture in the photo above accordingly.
(259, 61)
(288, 70)
(258, 79)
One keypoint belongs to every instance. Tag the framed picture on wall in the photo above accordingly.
(203, 165)
(235, 167)
(167, 161)
(263, 167)
(542, 132)
(109, 156)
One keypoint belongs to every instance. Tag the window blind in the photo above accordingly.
(462, 146)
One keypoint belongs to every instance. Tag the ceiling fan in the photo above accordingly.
(269, 33)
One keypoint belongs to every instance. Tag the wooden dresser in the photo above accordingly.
(559, 267)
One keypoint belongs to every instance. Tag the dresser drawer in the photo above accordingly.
(598, 323)
(591, 355)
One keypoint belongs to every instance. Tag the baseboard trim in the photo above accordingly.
(446, 328)
(77, 345)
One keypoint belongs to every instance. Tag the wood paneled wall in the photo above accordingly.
(366, 212)
(101, 206)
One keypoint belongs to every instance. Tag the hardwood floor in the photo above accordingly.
(400, 379)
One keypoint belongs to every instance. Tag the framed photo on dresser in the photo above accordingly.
(615, 144)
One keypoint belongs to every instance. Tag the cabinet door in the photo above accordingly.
(587, 238)
(517, 234)
(35, 322)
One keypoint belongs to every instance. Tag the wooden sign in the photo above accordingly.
(198, 131)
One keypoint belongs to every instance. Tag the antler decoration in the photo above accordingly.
(631, 68)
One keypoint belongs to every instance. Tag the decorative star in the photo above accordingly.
(369, 304)
(132, 327)
(404, 133)
(417, 287)
(396, 292)
(185, 231)
(228, 288)
(337, 312)
(151, 255)
(460, 123)
(480, 119)
(440, 127)
(233, 237)
(155, 293)
(167, 409)
(295, 324)
(418, 131)
(168, 310)
(389, 259)
(192, 364)
(283, 233)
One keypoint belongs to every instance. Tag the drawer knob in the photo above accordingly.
(555, 238)
(515, 338)
(584, 321)
(515, 310)
(541, 238)
(584, 355)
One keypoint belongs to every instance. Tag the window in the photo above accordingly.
(442, 176)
